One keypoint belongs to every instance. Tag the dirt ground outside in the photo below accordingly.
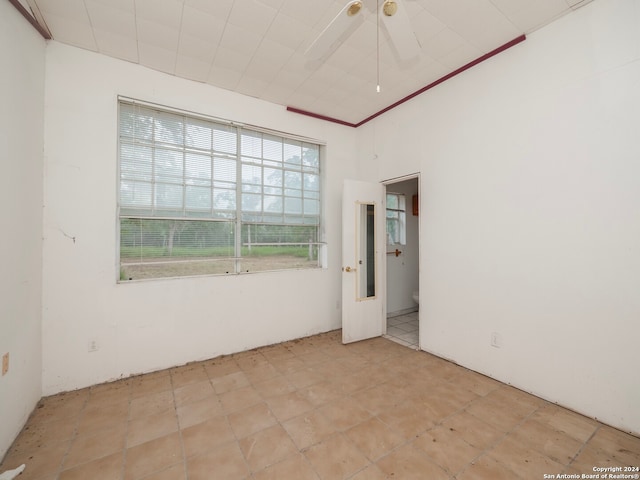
(162, 267)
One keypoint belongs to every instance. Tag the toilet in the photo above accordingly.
(416, 296)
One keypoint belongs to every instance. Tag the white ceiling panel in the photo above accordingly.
(240, 39)
(294, 71)
(264, 71)
(537, 14)
(575, 4)
(365, 103)
(304, 101)
(313, 87)
(164, 12)
(286, 31)
(325, 13)
(365, 38)
(276, 4)
(254, 87)
(509, 7)
(192, 68)
(442, 44)
(110, 18)
(413, 84)
(195, 47)
(432, 71)
(218, 8)
(277, 93)
(257, 47)
(72, 31)
(224, 77)
(118, 46)
(487, 39)
(158, 34)
(426, 26)
(391, 78)
(69, 9)
(226, 58)
(268, 60)
(460, 56)
(252, 16)
(157, 58)
(202, 25)
(126, 5)
(309, 12)
(469, 18)
(328, 74)
(345, 58)
(333, 95)
(365, 68)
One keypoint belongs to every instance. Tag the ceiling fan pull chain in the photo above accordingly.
(378, 50)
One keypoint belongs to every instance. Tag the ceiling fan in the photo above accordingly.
(391, 13)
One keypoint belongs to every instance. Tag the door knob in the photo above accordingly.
(349, 269)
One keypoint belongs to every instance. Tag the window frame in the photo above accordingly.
(240, 218)
(401, 221)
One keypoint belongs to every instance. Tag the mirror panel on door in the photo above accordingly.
(366, 250)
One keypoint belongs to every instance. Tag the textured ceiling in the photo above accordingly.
(256, 47)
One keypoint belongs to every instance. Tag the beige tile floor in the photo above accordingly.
(312, 409)
(403, 329)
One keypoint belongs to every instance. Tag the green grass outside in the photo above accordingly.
(154, 252)
(264, 251)
(260, 251)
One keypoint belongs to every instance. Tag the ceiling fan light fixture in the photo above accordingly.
(354, 8)
(390, 8)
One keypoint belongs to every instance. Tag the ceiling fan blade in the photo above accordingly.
(343, 25)
(399, 28)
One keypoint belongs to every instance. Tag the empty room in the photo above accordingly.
(303, 239)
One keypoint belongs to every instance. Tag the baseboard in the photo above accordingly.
(405, 311)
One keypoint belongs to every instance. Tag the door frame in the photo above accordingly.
(386, 183)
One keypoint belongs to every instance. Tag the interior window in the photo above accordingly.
(201, 197)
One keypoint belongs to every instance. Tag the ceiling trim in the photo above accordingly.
(23, 11)
(473, 63)
(322, 117)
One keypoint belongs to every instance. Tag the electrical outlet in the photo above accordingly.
(93, 346)
(496, 340)
(5, 364)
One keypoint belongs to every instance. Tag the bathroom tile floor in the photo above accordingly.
(312, 409)
(403, 329)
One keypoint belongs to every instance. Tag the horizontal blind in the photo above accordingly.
(175, 166)
(280, 180)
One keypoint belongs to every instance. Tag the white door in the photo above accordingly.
(363, 250)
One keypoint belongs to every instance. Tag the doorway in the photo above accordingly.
(402, 260)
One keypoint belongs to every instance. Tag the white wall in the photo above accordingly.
(21, 132)
(530, 169)
(150, 325)
(530, 190)
(402, 271)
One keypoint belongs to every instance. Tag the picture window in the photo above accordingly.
(205, 197)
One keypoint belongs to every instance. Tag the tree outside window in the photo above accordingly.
(396, 219)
